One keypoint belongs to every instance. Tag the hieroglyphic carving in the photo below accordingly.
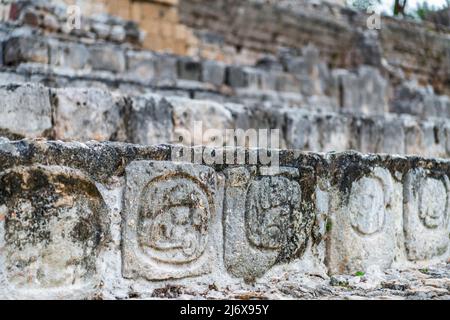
(426, 214)
(271, 204)
(168, 212)
(55, 222)
(174, 220)
(368, 200)
(263, 215)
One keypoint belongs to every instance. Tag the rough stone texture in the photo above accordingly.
(149, 120)
(426, 214)
(98, 114)
(213, 72)
(111, 220)
(107, 58)
(364, 222)
(55, 224)
(265, 222)
(318, 213)
(32, 103)
(168, 210)
(22, 49)
(84, 115)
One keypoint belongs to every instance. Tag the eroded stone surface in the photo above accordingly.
(54, 222)
(32, 103)
(364, 223)
(168, 210)
(426, 214)
(84, 115)
(265, 221)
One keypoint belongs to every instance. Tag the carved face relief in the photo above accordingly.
(433, 203)
(271, 204)
(174, 220)
(367, 205)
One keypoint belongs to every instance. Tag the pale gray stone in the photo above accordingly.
(57, 222)
(243, 77)
(25, 49)
(265, 222)
(141, 66)
(25, 110)
(166, 67)
(107, 58)
(213, 72)
(168, 209)
(209, 118)
(364, 222)
(87, 114)
(426, 215)
(69, 55)
(150, 120)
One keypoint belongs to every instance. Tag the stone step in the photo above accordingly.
(67, 22)
(113, 220)
(76, 114)
(294, 82)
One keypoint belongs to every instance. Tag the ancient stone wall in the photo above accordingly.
(109, 190)
(113, 220)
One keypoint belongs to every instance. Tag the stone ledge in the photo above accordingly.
(126, 216)
(75, 114)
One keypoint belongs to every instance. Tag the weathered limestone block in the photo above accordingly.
(366, 208)
(213, 72)
(166, 67)
(25, 111)
(107, 58)
(194, 120)
(54, 224)
(287, 83)
(168, 209)
(25, 49)
(426, 138)
(434, 138)
(87, 114)
(410, 98)
(3, 37)
(69, 55)
(270, 64)
(141, 65)
(379, 134)
(149, 120)
(267, 218)
(426, 214)
(301, 131)
(243, 77)
(365, 91)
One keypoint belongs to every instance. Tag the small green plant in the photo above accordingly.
(360, 274)
(329, 226)
(424, 271)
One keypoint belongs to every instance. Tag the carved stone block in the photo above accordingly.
(55, 221)
(363, 222)
(426, 214)
(265, 222)
(168, 209)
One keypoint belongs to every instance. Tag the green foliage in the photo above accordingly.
(424, 271)
(422, 9)
(360, 274)
(328, 226)
(362, 4)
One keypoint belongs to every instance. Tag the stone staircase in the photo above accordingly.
(98, 198)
